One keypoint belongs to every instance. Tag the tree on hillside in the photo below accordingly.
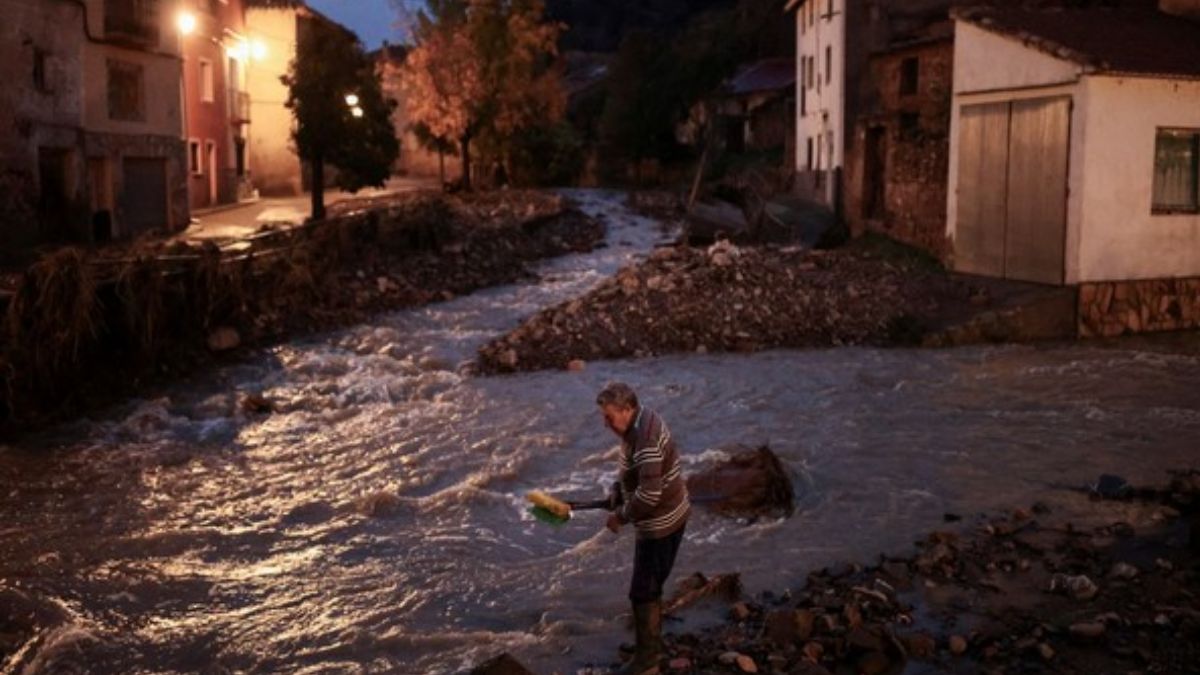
(653, 87)
(483, 71)
(341, 115)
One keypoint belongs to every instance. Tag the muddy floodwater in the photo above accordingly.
(376, 522)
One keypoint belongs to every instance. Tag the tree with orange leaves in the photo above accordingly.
(482, 72)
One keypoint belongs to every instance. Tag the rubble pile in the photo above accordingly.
(1027, 592)
(730, 298)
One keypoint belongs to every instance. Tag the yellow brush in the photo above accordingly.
(552, 509)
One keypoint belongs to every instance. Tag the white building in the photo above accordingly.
(820, 96)
(1074, 159)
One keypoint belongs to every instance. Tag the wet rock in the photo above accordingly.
(786, 627)
(504, 664)
(1109, 486)
(874, 663)
(957, 645)
(378, 505)
(746, 664)
(224, 339)
(865, 640)
(751, 482)
(813, 651)
(1046, 651)
(257, 404)
(577, 365)
(1090, 629)
(919, 646)
(680, 663)
(740, 611)
(1123, 570)
(1077, 586)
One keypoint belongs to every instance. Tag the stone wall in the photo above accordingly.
(1109, 309)
(905, 198)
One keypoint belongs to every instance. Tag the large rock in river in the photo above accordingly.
(752, 482)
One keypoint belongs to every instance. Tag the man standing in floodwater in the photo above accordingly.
(655, 499)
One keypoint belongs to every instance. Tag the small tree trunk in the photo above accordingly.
(318, 188)
(466, 162)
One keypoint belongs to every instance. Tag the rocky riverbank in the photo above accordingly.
(1106, 582)
(730, 298)
(88, 327)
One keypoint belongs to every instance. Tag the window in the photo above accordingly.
(195, 166)
(1177, 171)
(210, 155)
(39, 70)
(829, 8)
(206, 81)
(910, 72)
(810, 153)
(828, 64)
(910, 125)
(126, 92)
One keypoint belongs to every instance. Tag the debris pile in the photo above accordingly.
(730, 298)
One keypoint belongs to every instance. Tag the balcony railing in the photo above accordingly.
(132, 22)
(239, 107)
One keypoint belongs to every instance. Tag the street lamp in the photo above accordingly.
(258, 49)
(352, 100)
(185, 21)
(356, 111)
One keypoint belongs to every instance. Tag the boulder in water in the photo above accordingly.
(752, 482)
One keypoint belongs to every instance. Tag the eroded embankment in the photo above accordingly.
(85, 328)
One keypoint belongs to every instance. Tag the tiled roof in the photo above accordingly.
(767, 75)
(1119, 41)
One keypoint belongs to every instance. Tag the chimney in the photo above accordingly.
(1189, 9)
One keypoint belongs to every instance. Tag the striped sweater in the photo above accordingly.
(656, 496)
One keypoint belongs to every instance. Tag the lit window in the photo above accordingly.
(1177, 171)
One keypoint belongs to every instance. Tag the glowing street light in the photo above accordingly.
(258, 49)
(185, 21)
(356, 111)
(352, 100)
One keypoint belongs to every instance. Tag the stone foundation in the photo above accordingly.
(1109, 309)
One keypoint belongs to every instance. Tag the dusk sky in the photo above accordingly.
(373, 20)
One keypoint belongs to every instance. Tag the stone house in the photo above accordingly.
(896, 174)
(834, 42)
(217, 53)
(90, 122)
(1075, 157)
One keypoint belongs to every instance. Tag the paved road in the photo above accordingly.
(245, 219)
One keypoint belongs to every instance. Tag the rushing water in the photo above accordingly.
(376, 523)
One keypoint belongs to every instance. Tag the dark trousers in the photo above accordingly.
(652, 563)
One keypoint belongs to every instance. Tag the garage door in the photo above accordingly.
(143, 195)
(1012, 189)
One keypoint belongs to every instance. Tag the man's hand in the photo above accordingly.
(614, 523)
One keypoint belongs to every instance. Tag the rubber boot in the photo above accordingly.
(647, 623)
